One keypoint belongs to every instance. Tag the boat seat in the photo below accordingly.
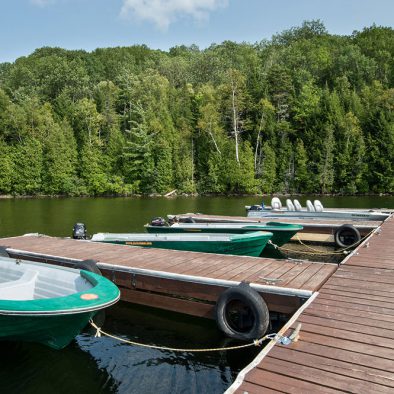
(318, 206)
(309, 206)
(20, 289)
(289, 205)
(275, 203)
(297, 205)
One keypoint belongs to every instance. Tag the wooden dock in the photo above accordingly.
(314, 226)
(347, 332)
(187, 282)
(346, 314)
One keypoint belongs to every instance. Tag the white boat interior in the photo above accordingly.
(212, 225)
(313, 210)
(25, 280)
(295, 205)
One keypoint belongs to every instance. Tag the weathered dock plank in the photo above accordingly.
(187, 282)
(346, 340)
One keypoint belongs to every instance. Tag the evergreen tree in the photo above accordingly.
(268, 169)
(6, 168)
(306, 111)
(27, 160)
(60, 157)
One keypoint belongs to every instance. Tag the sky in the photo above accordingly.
(161, 24)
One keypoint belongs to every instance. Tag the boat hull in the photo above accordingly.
(342, 215)
(250, 245)
(49, 304)
(55, 331)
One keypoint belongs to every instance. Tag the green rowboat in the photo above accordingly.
(49, 304)
(250, 244)
(282, 232)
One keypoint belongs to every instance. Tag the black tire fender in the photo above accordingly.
(3, 252)
(99, 318)
(347, 235)
(252, 320)
(88, 265)
(91, 266)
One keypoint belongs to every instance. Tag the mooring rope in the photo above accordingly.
(317, 251)
(257, 342)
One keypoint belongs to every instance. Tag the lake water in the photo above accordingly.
(103, 365)
(57, 216)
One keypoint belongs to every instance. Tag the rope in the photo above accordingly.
(317, 251)
(257, 342)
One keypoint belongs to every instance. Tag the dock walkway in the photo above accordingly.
(347, 335)
(187, 282)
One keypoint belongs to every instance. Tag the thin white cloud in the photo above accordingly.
(163, 12)
(42, 3)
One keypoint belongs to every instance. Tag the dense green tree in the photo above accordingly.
(6, 168)
(60, 158)
(28, 165)
(306, 111)
(268, 169)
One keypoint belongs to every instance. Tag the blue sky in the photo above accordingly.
(89, 24)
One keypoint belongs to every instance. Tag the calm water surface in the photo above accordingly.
(57, 216)
(103, 365)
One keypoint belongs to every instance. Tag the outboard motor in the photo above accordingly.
(159, 222)
(256, 208)
(79, 231)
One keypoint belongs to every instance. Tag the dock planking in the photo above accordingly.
(346, 341)
(187, 282)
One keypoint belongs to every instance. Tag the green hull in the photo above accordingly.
(282, 232)
(56, 321)
(53, 331)
(251, 244)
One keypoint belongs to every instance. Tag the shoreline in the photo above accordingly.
(174, 195)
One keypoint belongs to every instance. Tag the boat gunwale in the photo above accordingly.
(268, 227)
(107, 294)
(158, 237)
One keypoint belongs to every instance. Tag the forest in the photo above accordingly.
(303, 112)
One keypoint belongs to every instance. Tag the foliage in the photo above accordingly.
(304, 112)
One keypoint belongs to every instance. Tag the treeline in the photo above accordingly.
(304, 112)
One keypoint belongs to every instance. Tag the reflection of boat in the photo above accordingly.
(281, 232)
(251, 244)
(49, 304)
(312, 211)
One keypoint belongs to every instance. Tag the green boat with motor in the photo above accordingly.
(282, 232)
(49, 304)
(249, 244)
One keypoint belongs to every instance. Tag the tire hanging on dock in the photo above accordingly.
(347, 235)
(3, 252)
(91, 266)
(241, 313)
(88, 265)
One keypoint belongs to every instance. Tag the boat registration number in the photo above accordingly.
(139, 243)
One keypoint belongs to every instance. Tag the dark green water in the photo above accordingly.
(57, 216)
(103, 365)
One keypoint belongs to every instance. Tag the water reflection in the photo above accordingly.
(27, 368)
(104, 365)
(143, 370)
